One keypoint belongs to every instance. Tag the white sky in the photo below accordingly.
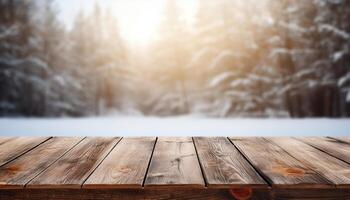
(138, 19)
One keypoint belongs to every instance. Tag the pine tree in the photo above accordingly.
(233, 53)
(98, 52)
(308, 56)
(20, 72)
(51, 52)
(171, 56)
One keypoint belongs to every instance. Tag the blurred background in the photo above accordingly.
(212, 58)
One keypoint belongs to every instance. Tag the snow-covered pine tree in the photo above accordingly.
(212, 58)
(332, 42)
(51, 50)
(306, 58)
(98, 52)
(228, 34)
(171, 53)
(79, 60)
(21, 71)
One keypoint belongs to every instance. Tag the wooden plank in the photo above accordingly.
(13, 148)
(17, 173)
(336, 148)
(183, 194)
(126, 165)
(224, 166)
(311, 194)
(337, 171)
(174, 163)
(6, 139)
(277, 166)
(130, 194)
(343, 139)
(71, 170)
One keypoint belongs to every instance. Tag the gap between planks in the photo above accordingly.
(192, 139)
(56, 160)
(200, 165)
(71, 170)
(224, 166)
(174, 165)
(262, 175)
(87, 178)
(149, 163)
(21, 148)
(126, 165)
(278, 166)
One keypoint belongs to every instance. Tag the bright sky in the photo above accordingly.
(138, 19)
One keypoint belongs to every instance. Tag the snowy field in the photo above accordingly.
(178, 126)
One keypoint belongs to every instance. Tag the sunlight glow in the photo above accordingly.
(139, 20)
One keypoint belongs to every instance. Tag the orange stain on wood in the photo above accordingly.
(281, 168)
(241, 193)
(13, 169)
(124, 169)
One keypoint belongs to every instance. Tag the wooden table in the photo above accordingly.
(174, 168)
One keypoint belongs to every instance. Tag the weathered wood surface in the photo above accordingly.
(126, 165)
(335, 170)
(5, 139)
(174, 163)
(310, 194)
(336, 148)
(342, 139)
(71, 170)
(19, 172)
(134, 194)
(224, 166)
(174, 168)
(277, 166)
(11, 148)
(175, 194)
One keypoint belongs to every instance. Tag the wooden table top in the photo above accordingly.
(179, 162)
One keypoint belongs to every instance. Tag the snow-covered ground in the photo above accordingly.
(178, 126)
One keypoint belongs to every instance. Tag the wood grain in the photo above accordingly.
(224, 166)
(125, 166)
(343, 139)
(12, 148)
(277, 166)
(17, 173)
(311, 194)
(336, 148)
(5, 139)
(336, 171)
(174, 194)
(71, 170)
(174, 163)
(127, 194)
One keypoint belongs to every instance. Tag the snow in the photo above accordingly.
(221, 78)
(223, 57)
(59, 79)
(344, 80)
(335, 30)
(241, 83)
(295, 27)
(200, 56)
(262, 79)
(37, 62)
(175, 126)
(338, 55)
(278, 51)
(8, 31)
